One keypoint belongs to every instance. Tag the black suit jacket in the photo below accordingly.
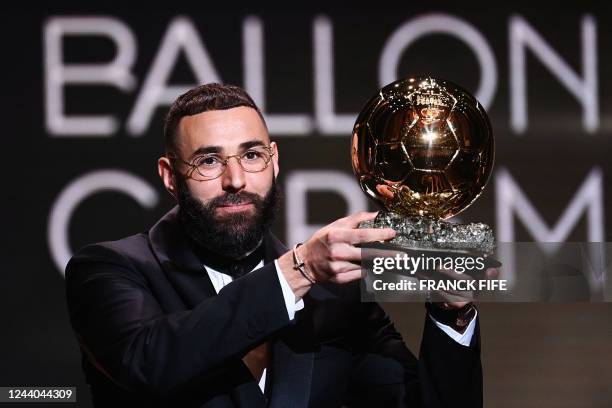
(154, 332)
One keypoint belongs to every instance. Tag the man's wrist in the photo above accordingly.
(300, 266)
(297, 282)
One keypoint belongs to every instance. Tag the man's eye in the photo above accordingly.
(208, 161)
(252, 155)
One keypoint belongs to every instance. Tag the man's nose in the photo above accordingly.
(233, 177)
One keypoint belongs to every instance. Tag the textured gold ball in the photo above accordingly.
(423, 146)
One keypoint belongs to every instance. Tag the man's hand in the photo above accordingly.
(330, 255)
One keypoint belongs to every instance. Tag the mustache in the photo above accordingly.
(234, 198)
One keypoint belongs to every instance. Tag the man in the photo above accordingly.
(208, 309)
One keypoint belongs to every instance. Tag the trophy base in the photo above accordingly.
(424, 233)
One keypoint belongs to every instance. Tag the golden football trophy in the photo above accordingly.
(423, 148)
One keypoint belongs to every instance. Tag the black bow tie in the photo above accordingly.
(233, 267)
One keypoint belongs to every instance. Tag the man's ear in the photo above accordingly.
(275, 158)
(166, 173)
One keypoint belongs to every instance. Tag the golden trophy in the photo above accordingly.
(423, 148)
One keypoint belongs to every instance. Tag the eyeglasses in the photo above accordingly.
(212, 165)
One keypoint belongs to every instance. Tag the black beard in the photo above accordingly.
(232, 235)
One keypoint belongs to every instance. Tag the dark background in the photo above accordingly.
(540, 355)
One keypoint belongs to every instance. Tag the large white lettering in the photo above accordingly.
(59, 74)
(80, 189)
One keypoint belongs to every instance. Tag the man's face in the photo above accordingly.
(232, 208)
(226, 132)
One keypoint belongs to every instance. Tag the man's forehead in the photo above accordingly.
(225, 129)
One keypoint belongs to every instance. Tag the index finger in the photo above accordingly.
(364, 235)
(354, 220)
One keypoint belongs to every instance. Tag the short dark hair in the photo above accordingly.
(207, 97)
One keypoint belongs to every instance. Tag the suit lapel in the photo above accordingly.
(176, 254)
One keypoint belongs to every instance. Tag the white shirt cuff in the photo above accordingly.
(290, 301)
(464, 338)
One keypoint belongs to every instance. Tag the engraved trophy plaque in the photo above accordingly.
(423, 148)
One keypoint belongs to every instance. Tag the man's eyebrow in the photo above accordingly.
(206, 150)
(251, 143)
(218, 149)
